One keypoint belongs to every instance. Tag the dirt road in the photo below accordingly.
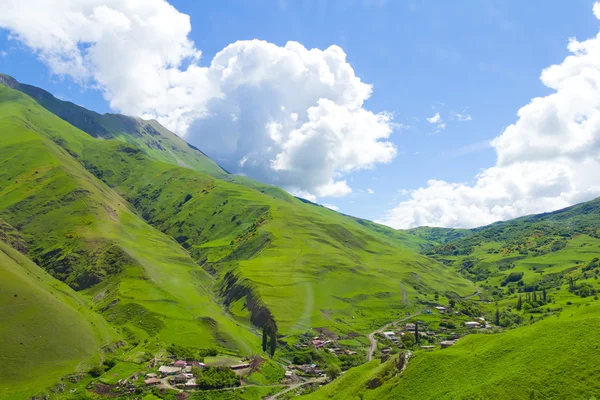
(373, 342)
(296, 386)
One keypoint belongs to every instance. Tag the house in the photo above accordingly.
(441, 309)
(240, 366)
(410, 327)
(289, 374)
(179, 363)
(191, 384)
(447, 343)
(152, 381)
(181, 378)
(385, 351)
(472, 324)
(318, 343)
(389, 334)
(197, 364)
(151, 375)
(428, 347)
(168, 370)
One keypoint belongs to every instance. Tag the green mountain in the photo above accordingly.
(149, 136)
(169, 248)
(539, 273)
(48, 330)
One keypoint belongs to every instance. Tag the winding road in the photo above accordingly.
(296, 386)
(372, 340)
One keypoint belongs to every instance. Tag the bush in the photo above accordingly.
(96, 371)
(216, 378)
(512, 277)
(109, 363)
(333, 371)
(191, 353)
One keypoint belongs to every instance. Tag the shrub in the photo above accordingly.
(96, 371)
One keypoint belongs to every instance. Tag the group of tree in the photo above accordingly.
(190, 353)
(532, 300)
(269, 339)
(583, 289)
(215, 377)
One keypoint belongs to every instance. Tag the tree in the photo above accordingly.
(265, 338)
(273, 343)
(497, 317)
(333, 371)
(519, 303)
(417, 332)
(408, 339)
(452, 303)
(544, 294)
(534, 297)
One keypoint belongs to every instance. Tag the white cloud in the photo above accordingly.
(331, 207)
(3, 53)
(462, 116)
(285, 115)
(548, 159)
(596, 10)
(435, 119)
(370, 191)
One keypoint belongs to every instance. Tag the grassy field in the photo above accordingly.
(46, 329)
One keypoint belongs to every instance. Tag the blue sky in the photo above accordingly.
(422, 58)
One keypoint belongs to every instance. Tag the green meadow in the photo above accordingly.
(47, 330)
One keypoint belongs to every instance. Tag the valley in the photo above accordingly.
(141, 252)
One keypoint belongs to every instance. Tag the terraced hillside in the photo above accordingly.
(251, 247)
(48, 331)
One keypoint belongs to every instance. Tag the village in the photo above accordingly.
(308, 360)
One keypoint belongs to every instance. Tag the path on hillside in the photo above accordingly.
(477, 292)
(404, 294)
(295, 386)
(372, 340)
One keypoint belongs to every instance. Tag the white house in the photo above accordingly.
(472, 324)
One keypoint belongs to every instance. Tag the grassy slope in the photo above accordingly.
(553, 359)
(74, 222)
(46, 329)
(311, 266)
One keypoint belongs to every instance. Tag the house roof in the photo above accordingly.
(169, 369)
(152, 381)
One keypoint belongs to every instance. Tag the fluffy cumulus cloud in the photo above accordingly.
(286, 115)
(548, 159)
